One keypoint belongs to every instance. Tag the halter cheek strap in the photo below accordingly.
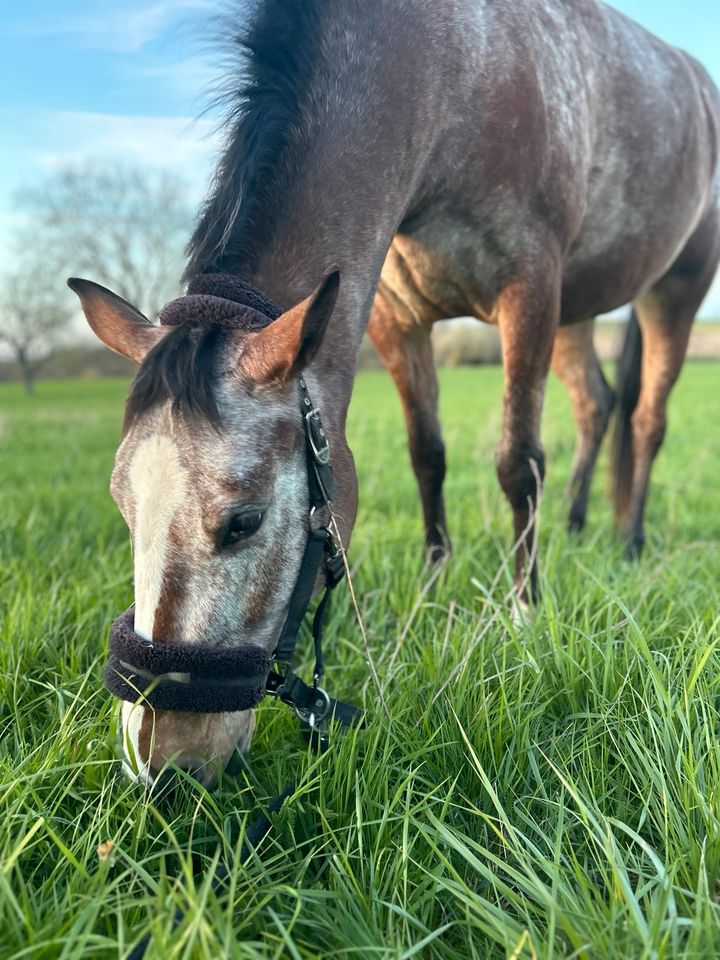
(311, 702)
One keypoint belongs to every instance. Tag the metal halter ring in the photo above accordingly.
(321, 708)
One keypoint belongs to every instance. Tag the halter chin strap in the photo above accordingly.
(198, 678)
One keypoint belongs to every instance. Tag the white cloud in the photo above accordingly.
(46, 139)
(191, 79)
(120, 28)
(179, 143)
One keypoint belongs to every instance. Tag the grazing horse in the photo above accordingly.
(531, 164)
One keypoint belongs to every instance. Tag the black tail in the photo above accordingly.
(628, 391)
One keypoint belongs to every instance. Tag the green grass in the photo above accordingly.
(560, 798)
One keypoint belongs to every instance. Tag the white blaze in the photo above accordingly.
(158, 484)
(131, 715)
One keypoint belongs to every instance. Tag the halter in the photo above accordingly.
(209, 679)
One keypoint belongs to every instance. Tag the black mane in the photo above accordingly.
(275, 57)
(183, 367)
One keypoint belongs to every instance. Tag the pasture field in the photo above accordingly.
(539, 792)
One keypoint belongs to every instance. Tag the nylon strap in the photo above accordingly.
(321, 480)
(302, 594)
(308, 701)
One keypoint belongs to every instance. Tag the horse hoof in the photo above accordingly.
(437, 553)
(576, 523)
(520, 612)
(634, 549)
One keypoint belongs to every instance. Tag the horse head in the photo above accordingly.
(212, 480)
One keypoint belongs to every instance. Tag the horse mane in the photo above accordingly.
(273, 60)
(274, 57)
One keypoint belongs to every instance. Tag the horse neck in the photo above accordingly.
(342, 210)
(326, 227)
(347, 179)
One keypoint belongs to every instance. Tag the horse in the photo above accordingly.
(531, 164)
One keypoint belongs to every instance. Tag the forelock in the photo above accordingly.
(186, 364)
(183, 369)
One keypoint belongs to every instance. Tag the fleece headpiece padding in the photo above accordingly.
(204, 679)
(222, 300)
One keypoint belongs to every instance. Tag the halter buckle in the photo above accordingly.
(320, 447)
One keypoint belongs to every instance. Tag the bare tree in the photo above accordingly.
(122, 226)
(34, 315)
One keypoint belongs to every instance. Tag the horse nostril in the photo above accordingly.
(169, 779)
(164, 783)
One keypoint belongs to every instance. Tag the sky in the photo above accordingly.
(129, 80)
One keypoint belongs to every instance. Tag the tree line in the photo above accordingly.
(121, 226)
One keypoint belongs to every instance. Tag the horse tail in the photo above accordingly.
(628, 391)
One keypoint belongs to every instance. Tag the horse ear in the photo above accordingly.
(116, 322)
(288, 344)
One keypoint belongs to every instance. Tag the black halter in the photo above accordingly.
(312, 704)
(204, 679)
(197, 677)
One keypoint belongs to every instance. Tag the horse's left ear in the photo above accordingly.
(288, 344)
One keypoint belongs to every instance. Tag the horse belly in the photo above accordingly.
(650, 184)
(610, 267)
(637, 222)
(433, 275)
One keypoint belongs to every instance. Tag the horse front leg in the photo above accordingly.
(528, 312)
(408, 357)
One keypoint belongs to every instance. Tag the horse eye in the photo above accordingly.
(241, 526)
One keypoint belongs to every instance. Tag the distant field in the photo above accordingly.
(561, 798)
(467, 341)
(704, 340)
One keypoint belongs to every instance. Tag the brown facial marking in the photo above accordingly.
(145, 735)
(241, 489)
(285, 437)
(175, 578)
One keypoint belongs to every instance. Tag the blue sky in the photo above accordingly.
(128, 80)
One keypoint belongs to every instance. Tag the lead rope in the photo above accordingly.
(358, 616)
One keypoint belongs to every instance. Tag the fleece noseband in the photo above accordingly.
(174, 676)
(207, 679)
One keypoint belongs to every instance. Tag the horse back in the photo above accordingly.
(568, 127)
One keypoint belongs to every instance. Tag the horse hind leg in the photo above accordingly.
(654, 354)
(575, 363)
(408, 358)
